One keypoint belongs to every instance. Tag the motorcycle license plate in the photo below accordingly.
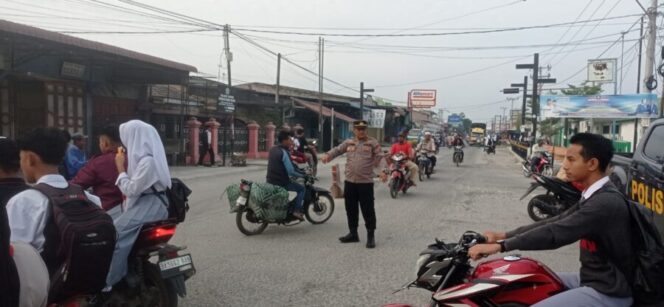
(241, 201)
(176, 266)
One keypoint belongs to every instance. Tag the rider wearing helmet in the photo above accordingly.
(458, 141)
(403, 146)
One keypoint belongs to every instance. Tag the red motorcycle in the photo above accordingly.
(512, 281)
(399, 175)
(544, 167)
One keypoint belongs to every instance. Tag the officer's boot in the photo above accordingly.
(351, 237)
(371, 243)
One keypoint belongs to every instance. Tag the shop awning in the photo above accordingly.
(327, 112)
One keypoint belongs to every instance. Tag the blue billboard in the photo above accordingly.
(599, 106)
(454, 120)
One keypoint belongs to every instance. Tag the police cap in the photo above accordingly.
(362, 124)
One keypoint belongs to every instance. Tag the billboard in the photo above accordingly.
(599, 106)
(422, 98)
(602, 70)
(376, 118)
(454, 120)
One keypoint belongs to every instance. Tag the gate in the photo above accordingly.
(225, 135)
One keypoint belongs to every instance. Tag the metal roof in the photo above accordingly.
(24, 30)
(327, 112)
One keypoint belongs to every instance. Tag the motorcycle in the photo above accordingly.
(318, 208)
(156, 273)
(399, 176)
(457, 157)
(544, 167)
(425, 166)
(445, 270)
(490, 149)
(560, 196)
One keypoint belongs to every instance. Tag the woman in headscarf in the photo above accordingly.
(143, 184)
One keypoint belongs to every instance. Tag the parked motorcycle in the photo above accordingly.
(425, 166)
(513, 280)
(156, 273)
(457, 157)
(399, 176)
(318, 208)
(544, 167)
(560, 196)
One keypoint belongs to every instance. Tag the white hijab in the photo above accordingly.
(142, 140)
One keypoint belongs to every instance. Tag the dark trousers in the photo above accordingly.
(360, 196)
(208, 152)
(433, 161)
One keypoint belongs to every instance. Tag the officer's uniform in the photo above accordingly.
(362, 157)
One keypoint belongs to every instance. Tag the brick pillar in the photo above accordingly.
(269, 135)
(214, 128)
(194, 130)
(253, 140)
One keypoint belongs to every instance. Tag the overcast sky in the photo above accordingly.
(467, 80)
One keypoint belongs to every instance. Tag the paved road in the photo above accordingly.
(305, 265)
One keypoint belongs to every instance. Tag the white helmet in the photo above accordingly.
(427, 133)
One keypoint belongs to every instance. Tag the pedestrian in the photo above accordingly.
(600, 221)
(206, 146)
(10, 185)
(11, 182)
(100, 172)
(75, 158)
(143, 183)
(363, 154)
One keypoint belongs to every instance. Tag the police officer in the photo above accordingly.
(363, 155)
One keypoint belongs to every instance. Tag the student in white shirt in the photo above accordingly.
(146, 169)
(41, 151)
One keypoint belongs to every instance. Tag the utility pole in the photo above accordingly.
(652, 40)
(536, 82)
(638, 85)
(502, 128)
(320, 91)
(362, 91)
(276, 95)
(229, 58)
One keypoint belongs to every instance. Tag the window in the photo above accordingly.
(64, 107)
(654, 144)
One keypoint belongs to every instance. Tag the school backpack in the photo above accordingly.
(648, 269)
(80, 240)
(178, 200)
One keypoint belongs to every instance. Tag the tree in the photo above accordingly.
(466, 124)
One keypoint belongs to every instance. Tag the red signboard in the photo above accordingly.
(422, 98)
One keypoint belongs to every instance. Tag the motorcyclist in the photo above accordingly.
(403, 146)
(304, 148)
(280, 168)
(536, 155)
(490, 143)
(458, 141)
(427, 147)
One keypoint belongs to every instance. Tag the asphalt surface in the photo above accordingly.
(305, 265)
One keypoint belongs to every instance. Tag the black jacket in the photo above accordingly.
(601, 224)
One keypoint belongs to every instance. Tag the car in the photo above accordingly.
(414, 136)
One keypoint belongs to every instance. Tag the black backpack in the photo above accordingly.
(80, 240)
(178, 200)
(648, 279)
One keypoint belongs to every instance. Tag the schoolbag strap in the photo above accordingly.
(154, 190)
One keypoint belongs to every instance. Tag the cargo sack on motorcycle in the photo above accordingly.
(267, 201)
(178, 200)
(232, 193)
(80, 240)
